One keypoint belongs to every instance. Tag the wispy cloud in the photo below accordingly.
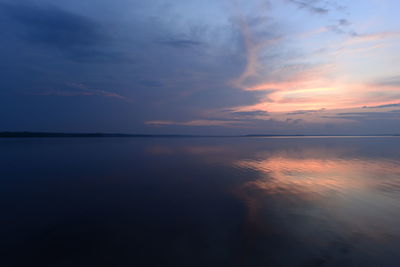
(366, 116)
(260, 64)
(388, 82)
(302, 112)
(179, 42)
(342, 26)
(373, 37)
(253, 46)
(313, 6)
(383, 106)
(202, 122)
(78, 89)
(251, 113)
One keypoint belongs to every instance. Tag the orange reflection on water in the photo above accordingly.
(313, 175)
(310, 193)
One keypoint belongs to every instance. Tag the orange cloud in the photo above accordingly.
(334, 86)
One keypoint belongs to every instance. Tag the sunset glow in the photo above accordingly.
(200, 133)
(203, 67)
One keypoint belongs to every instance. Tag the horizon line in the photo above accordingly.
(32, 134)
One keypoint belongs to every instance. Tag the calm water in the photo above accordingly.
(200, 202)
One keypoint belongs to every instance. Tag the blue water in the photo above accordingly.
(200, 202)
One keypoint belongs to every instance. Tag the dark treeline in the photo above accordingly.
(43, 134)
(48, 134)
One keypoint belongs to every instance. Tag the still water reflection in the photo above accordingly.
(200, 202)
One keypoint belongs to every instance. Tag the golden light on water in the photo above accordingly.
(312, 175)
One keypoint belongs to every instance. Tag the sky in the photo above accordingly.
(200, 67)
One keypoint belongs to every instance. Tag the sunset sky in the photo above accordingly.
(200, 67)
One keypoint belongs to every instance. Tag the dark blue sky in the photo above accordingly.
(186, 66)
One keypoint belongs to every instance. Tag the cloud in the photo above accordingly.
(56, 28)
(75, 93)
(256, 34)
(366, 116)
(342, 27)
(344, 22)
(313, 6)
(302, 112)
(294, 76)
(180, 43)
(185, 69)
(358, 113)
(360, 38)
(203, 122)
(251, 113)
(390, 82)
(383, 106)
(295, 87)
(77, 89)
(294, 121)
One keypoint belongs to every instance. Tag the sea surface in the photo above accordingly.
(118, 202)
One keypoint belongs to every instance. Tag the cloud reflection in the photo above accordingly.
(305, 176)
(322, 197)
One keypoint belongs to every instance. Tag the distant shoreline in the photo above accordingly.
(107, 135)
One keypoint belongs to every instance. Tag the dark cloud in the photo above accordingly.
(384, 106)
(72, 43)
(336, 29)
(56, 28)
(80, 93)
(342, 26)
(358, 113)
(344, 22)
(390, 81)
(251, 113)
(313, 6)
(302, 112)
(79, 89)
(293, 121)
(365, 116)
(180, 43)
